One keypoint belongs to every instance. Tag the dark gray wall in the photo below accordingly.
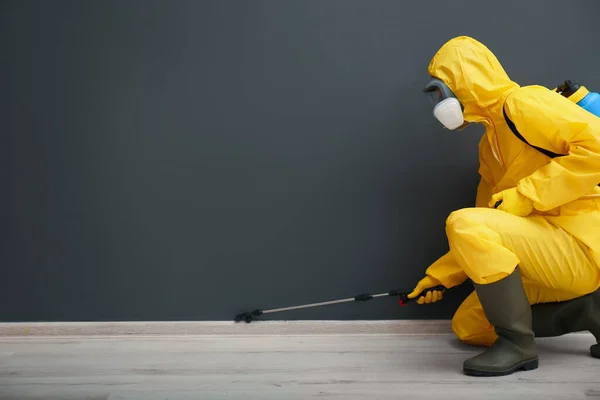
(193, 159)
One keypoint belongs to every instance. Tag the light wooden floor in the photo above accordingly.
(281, 367)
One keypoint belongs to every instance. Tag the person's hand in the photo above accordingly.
(511, 201)
(432, 296)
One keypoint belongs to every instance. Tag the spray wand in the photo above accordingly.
(401, 294)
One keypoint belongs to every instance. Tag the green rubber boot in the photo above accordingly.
(507, 308)
(577, 315)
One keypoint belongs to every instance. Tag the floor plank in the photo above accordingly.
(281, 367)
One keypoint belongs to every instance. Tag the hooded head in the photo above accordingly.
(474, 75)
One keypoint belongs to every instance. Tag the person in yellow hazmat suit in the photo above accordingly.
(531, 244)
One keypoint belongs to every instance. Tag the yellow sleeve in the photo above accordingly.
(552, 122)
(446, 270)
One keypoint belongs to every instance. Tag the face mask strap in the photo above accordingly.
(437, 91)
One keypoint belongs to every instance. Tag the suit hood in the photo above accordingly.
(475, 76)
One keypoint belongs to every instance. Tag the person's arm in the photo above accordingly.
(446, 271)
(549, 122)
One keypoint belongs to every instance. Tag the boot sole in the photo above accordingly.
(525, 366)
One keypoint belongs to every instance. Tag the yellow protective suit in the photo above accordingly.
(557, 245)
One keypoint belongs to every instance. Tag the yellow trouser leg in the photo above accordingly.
(488, 244)
(471, 326)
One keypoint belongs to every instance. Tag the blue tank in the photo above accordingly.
(581, 96)
(591, 102)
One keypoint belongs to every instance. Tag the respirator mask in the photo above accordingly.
(446, 107)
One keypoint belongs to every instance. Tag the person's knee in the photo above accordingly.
(460, 220)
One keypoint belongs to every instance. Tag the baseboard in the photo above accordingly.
(170, 328)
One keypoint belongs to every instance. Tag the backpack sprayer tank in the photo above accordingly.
(581, 96)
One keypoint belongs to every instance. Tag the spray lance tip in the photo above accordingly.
(247, 316)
